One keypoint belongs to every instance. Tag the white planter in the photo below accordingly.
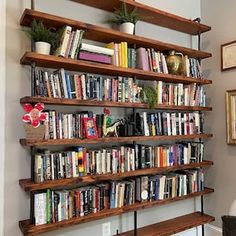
(42, 48)
(127, 27)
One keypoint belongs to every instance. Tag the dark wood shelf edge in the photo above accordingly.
(180, 23)
(51, 61)
(28, 185)
(173, 226)
(37, 142)
(30, 230)
(76, 102)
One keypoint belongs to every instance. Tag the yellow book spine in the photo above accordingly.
(122, 54)
(125, 55)
(119, 55)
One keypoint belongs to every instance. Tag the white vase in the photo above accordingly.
(42, 48)
(127, 27)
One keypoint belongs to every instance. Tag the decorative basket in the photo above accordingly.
(34, 133)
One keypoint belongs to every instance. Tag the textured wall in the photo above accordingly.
(221, 16)
(17, 161)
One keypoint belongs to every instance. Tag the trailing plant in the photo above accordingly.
(39, 33)
(122, 15)
(149, 95)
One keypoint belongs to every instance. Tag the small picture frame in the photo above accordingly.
(90, 127)
(228, 56)
(231, 116)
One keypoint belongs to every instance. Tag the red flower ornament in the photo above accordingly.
(34, 115)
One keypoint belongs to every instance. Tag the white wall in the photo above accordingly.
(2, 105)
(17, 162)
(221, 16)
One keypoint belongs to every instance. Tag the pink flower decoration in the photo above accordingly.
(35, 114)
(107, 111)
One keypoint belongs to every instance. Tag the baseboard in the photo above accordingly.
(212, 230)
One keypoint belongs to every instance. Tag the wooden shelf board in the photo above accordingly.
(173, 226)
(151, 15)
(93, 103)
(106, 35)
(49, 142)
(29, 185)
(51, 61)
(30, 229)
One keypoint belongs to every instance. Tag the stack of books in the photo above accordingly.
(94, 53)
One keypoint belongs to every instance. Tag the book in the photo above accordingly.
(61, 50)
(89, 56)
(97, 49)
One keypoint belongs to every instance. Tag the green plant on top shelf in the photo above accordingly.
(43, 37)
(125, 18)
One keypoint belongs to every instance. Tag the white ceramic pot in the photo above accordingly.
(127, 27)
(42, 48)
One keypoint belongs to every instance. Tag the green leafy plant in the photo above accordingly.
(122, 15)
(39, 33)
(149, 95)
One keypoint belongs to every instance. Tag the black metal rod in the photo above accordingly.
(32, 153)
(33, 78)
(135, 223)
(32, 220)
(202, 205)
(203, 230)
(32, 4)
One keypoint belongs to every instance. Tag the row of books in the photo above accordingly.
(169, 123)
(124, 56)
(59, 84)
(180, 94)
(120, 54)
(150, 60)
(56, 205)
(70, 43)
(72, 125)
(68, 125)
(81, 162)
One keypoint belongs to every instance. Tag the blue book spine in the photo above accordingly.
(68, 85)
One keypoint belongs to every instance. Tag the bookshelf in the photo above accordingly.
(77, 102)
(29, 185)
(36, 142)
(152, 15)
(105, 35)
(29, 229)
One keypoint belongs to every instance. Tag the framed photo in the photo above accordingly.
(228, 56)
(231, 116)
(90, 128)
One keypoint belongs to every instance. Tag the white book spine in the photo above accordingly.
(168, 124)
(40, 210)
(97, 49)
(65, 39)
(145, 124)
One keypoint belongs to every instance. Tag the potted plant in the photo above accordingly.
(149, 95)
(44, 38)
(125, 19)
